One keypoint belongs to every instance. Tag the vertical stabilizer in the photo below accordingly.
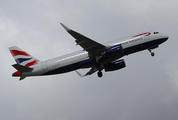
(21, 57)
(23, 60)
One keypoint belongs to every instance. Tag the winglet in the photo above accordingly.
(65, 27)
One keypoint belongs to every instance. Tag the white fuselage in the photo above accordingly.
(80, 59)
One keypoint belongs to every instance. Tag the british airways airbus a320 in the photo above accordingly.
(94, 55)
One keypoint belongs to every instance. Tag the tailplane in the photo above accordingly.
(21, 69)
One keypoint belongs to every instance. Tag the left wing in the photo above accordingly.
(92, 47)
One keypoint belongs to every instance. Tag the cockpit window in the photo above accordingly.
(156, 32)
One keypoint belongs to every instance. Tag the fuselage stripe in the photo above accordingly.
(147, 33)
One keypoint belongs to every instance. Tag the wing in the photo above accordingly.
(91, 46)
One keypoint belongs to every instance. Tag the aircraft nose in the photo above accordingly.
(164, 37)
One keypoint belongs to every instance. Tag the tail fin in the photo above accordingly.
(21, 57)
(23, 60)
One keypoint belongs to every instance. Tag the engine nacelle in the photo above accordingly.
(117, 49)
(115, 65)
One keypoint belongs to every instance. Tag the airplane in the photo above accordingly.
(94, 55)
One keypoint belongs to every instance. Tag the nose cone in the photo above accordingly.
(164, 37)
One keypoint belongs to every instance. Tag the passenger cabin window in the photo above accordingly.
(156, 32)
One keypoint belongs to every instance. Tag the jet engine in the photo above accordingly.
(115, 65)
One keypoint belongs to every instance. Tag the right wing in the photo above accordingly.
(91, 46)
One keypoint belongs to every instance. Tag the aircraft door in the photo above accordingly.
(44, 66)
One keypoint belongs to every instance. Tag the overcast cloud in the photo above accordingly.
(147, 89)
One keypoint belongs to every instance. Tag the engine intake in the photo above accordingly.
(115, 65)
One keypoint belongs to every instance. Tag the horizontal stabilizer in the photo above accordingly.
(21, 68)
(22, 77)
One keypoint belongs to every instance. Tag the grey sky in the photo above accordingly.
(147, 89)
